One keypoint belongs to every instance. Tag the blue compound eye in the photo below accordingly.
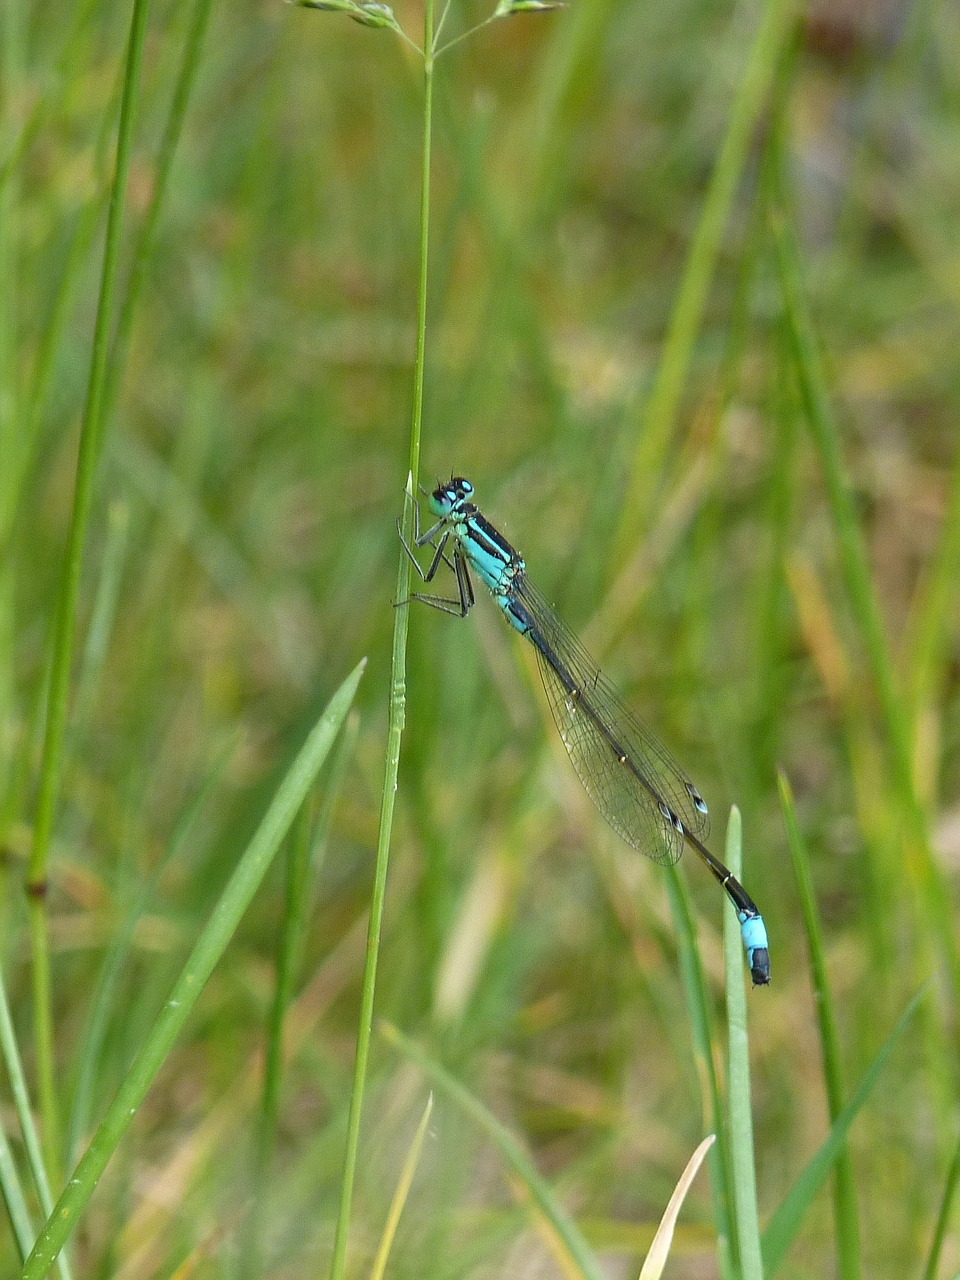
(449, 495)
(443, 498)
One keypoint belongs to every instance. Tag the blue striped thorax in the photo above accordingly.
(488, 552)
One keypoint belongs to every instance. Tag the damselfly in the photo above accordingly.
(634, 782)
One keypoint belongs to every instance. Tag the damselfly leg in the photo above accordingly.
(458, 566)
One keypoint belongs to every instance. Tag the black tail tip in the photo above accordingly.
(760, 967)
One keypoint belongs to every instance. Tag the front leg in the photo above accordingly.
(425, 539)
(427, 575)
(459, 608)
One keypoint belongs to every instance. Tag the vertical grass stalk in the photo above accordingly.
(11, 442)
(844, 1187)
(741, 1115)
(13, 1195)
(65, 625)
(701, 1030)
(935, 900)
(397, 692)
(943, 1217)
(186, 79)
(305, 854)
(660, 413)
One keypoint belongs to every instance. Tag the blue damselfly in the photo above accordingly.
(634, 781)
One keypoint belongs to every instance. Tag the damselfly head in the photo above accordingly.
(450, 495)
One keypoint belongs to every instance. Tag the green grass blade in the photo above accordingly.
(103, 614)
(10, 1184)
(13, 1197)
(304, 857)
(11, 430)
(210, 946)
(580, 1253)
(943, 1217)
(400, 1195)
(863, 599)
(783, 1226)
(183, 90)
(69, 595)
(660, 413)
(52, 91)
(701, 1030)
(89, 453)
(928, 646)
(398, 680)
(116, 960)
(741, 1110)
(12, 1191)
(845, 1191)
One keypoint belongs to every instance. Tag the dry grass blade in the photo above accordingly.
(656, 1259)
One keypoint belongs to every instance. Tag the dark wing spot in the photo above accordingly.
(698, 801)
(669, 816)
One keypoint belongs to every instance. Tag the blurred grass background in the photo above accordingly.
(243, 554)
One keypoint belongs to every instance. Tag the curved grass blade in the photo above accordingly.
(783, 1226)
(210, 946)
(656, 1259)
(401, 1194)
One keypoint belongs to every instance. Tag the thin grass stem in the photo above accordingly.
(943, 1216)
(306, 850)
(701, 1029)
(398, 682)
(400, 1195)
(472, 31)
(66, 609)
(12, 17)
(741, 1111)
(13, 1195)
(660, 414)
(935, 899)
(15, 1202)
(186, 80)
(845, 1187)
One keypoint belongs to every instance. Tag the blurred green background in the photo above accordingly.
(243, 558)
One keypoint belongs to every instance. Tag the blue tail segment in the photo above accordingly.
(754, 933)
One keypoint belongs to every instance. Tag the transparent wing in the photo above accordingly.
(597, 727)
